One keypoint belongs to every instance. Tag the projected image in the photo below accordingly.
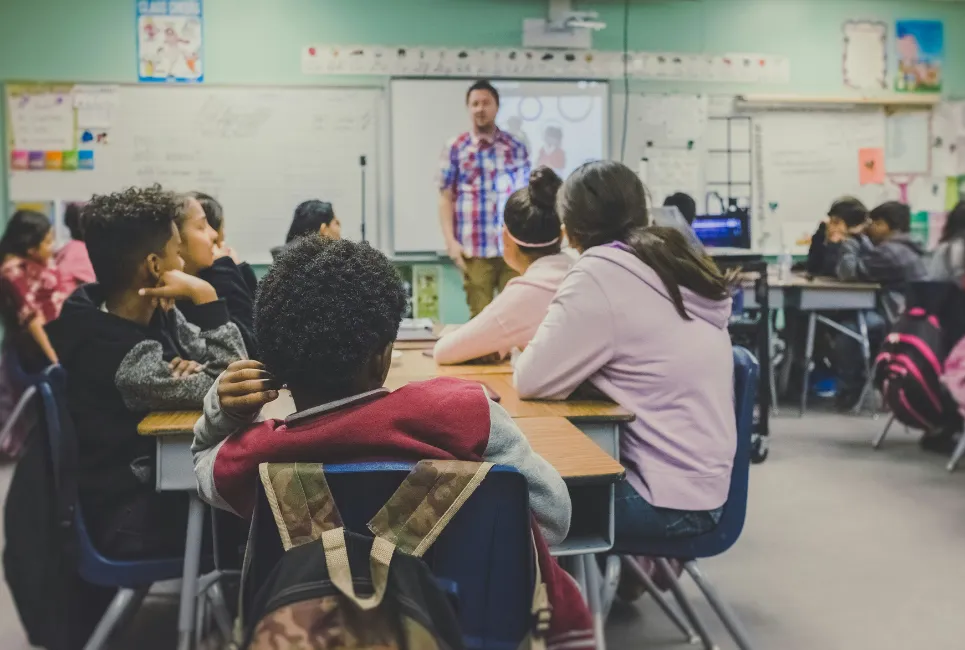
(561, 131)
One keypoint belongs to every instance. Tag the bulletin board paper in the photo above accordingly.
(920, 55)
(41, 119)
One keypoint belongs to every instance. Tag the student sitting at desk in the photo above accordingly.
(72, 258)
(311, 218)
(846, 215)
(203, 259)
(531, 247)
(887, 255)
(128, 351)
(685, 203)
(331, 344)
(214, 213)
(947, 262)
(643, 318)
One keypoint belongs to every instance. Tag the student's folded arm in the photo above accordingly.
(210, 431)
(213, 340)
(145, 382)
(549, 498)
(851, 264)
(483, 335)
(573, 342)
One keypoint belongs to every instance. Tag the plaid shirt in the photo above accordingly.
(482, 174)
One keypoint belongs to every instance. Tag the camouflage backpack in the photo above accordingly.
(319, 597)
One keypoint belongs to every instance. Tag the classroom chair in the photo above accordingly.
(483, 558)
(132, 578)
(28, 382)
(728, 530)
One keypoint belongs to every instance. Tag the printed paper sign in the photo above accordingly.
(170, 40)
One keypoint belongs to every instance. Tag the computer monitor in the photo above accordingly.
(729, 230)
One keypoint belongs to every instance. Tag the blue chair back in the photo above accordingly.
(725, 534)
(485, 551)
(92, 565)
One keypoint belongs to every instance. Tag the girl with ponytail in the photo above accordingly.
(643, 318)
(532, 241)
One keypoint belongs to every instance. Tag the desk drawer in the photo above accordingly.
(175, 465)
(807, 299)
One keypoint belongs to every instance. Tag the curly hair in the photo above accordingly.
(123, 228)
(324, 309)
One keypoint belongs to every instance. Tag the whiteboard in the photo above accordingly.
(805, 161)
(260, 151)
(427, 114)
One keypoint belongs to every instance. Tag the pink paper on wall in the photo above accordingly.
(871, 166)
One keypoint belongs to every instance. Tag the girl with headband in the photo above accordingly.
(532, 240)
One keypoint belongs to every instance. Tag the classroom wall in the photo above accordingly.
(259, 41)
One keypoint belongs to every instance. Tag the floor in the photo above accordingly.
(845, 548)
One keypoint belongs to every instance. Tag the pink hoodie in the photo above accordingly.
(612, 323)
(74, 263)
(509, 321)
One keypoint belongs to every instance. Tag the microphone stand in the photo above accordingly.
(362, 164)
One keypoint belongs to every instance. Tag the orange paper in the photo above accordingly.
(871, 166)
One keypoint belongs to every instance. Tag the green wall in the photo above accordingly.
(259, 41)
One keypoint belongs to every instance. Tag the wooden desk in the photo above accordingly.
(414, 364)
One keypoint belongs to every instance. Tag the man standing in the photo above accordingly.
(480, 169)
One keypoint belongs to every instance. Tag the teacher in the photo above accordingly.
(480, 169)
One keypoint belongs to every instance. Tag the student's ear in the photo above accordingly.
(152, 266)
(380, 364)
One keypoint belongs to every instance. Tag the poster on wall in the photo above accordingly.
(920, 52)
(170, 41)
(865, 55)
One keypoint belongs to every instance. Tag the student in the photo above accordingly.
(203, 258)
(312, 217)
(72, 259)
(214, 213)
(32, 291)
(846, 216)
(888, 256)
(685, 203)
(331, 343)
(643, 319)
(531, 247)
(128, 351)
(947, 262)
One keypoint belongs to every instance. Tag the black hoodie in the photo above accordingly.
(117, 372)
(232, 282)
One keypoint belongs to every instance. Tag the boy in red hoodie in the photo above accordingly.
(326, 318)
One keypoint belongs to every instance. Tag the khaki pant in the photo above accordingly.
(483, 276)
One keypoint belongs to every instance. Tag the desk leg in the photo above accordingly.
(189, 580)
(770, 369)
(594, 597)
(808, 353)
(866, 354)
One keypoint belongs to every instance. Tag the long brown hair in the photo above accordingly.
(604, 202)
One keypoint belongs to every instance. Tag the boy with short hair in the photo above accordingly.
(846, 215)
(326, 318)
(888, 256)
(128, 351)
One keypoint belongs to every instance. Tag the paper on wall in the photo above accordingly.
(42, 122)
(673, 170)
(865, 63)
(908, 143)
(927, 194)
(95, 106)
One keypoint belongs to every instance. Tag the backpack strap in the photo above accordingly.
(300, 500)
(426, 502)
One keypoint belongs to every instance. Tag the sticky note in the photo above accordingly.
(871, 166)
(36, 160)
(85, 159)
(70, 161)
(19, 160)
(54, 160)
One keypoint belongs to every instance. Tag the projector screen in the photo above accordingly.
(562, 123)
